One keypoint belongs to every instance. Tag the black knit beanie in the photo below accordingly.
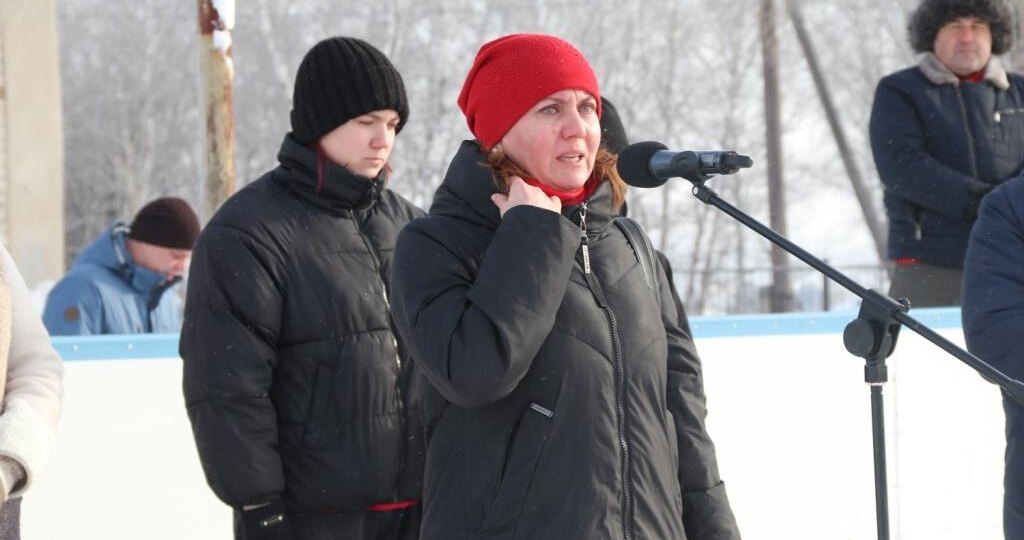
(166, 222)
(613, 133)
(339, 79)
(932, 15)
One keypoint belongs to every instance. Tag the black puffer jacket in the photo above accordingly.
(293, 378)
(576, 409)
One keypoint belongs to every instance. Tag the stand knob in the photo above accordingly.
(860, 338)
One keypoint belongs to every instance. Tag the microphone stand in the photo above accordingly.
(871, 336)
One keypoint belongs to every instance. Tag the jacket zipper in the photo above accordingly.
(967, 130)
(150, 306)
(620, 375)
(154, 300)
(377, 268)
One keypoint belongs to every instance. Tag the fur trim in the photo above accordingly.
(931, 15)
(937, 73)
(25, 437)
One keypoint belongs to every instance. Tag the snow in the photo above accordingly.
(226, 12)
(222, 40)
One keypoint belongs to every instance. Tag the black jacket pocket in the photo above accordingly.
(520, 464)
(323, 384)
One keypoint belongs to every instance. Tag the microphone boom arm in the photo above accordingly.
(872, 336)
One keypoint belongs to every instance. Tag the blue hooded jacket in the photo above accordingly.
(105, 292)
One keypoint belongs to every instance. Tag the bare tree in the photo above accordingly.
(133, 123)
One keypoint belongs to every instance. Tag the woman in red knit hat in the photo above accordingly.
(572, 407)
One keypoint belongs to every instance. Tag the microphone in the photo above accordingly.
(649, 164)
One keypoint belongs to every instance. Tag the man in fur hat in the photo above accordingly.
(944, 133)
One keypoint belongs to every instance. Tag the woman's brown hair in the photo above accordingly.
(604, 170)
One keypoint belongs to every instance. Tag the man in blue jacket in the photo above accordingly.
(943, 134)
(117, 285)
(993, 317)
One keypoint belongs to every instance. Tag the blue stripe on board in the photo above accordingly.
(781, 324)
(141, 346)
(117, 347)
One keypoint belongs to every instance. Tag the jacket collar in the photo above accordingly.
(937, 72)
(341, 191)
(110, 251)
(468, 185)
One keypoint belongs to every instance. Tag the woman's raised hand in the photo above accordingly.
(519, 192)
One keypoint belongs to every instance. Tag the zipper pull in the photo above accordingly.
(584, 244)
(586, 256)
(997, 117)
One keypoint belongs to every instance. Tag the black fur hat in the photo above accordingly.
(931, 15)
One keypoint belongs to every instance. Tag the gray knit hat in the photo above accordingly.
(339, 79)
(932, 15)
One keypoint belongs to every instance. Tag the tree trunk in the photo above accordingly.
(864, 196)
(781, 298)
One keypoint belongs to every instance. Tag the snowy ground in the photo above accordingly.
(790, 415)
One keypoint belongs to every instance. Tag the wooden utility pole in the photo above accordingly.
(216, 72)
(782, 290)
(864, 197)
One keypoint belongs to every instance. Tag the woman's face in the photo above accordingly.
(363, 144)
(556, 141)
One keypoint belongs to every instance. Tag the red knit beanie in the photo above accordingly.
(512, 73)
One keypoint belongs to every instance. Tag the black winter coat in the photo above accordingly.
(938, 148)
(294, 381)
(993, 307)
(575, 404)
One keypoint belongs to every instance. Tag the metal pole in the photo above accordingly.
(216, 21)
(878, 444)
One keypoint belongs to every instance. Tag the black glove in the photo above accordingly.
(267, 522)
(978, 192)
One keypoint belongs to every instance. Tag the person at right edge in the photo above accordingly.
(993, 320)
(300, 394)
(943, 134)
(575, 406)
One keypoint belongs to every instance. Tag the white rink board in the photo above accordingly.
(791, 419)
(124, 466)
(790, 416)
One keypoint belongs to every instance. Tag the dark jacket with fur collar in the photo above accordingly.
(939, 145)
(575, 404)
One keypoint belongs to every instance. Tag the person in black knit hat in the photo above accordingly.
(943, 134)
(117, 285)
(298, 390)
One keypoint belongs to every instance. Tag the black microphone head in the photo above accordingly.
(737, 161)
(634, 164)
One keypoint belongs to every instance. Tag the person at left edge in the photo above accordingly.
(294, 381)
(120, 283)
(32, 387)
